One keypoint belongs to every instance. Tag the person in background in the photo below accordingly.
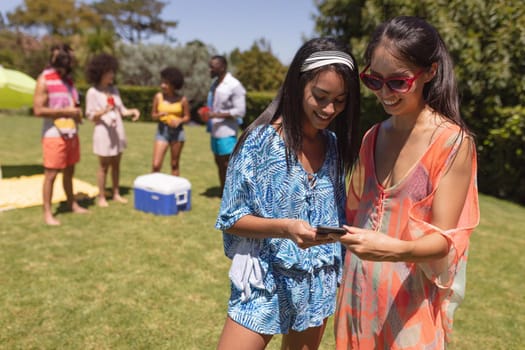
(104, 107)
(412, 200)
(228, 105)
(56, 100)
(172, 110)
(286, 176)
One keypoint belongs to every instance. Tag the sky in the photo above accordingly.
(230, 24)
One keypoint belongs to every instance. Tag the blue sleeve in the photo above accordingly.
(239, 195)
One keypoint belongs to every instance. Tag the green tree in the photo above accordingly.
(8, 49)
(141, 65)
(257, 68)
(135, 20)
(100, 40)
(3, 24)
(51, 21)
(487, 42)
(55, 17)
(23, 52)
(486, 39)
(342, 19)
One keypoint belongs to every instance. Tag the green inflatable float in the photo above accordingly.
(16, 89)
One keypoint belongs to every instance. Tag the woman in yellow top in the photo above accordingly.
(172, 110)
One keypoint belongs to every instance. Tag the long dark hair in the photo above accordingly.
(61, 58)
(415, 40)
(288, 104)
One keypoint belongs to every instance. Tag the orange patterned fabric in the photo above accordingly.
(401, 305)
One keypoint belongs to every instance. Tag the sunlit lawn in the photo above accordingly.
(119, 278)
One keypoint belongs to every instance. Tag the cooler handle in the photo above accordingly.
(182, 198)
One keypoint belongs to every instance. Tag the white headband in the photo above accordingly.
(323, 58)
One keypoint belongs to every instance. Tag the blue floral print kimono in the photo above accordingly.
(275, 285)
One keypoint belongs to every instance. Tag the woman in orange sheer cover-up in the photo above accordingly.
(412, 199)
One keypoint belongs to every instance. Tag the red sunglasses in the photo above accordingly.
(397, 84)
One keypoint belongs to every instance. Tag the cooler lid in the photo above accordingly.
(162, 183)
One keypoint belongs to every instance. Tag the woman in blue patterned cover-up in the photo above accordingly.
(285, 178)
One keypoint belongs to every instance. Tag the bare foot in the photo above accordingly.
(77, 209)
(102, 202)
(51, 221)
(118, 198)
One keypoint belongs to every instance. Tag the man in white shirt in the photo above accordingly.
(228, 105)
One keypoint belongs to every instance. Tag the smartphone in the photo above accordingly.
(330, 229)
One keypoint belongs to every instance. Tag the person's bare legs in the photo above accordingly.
(103, 166)
(67, 182)
(176, 150)
(115, 178)
(306, 340)
(47, 193)
(222, 166)
(159, 151)
(236, 337)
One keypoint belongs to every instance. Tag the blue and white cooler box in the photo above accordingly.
(162, 194)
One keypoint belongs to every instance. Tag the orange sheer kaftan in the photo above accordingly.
(402, 305)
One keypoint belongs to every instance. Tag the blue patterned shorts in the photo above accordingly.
(300, 300)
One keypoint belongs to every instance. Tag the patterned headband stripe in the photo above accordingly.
(324, 58)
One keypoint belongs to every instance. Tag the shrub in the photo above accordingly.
(256, 102)
(140, 65)
(502, 155)
(142, 97)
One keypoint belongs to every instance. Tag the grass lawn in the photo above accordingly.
(118, 278)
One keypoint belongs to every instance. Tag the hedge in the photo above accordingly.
(501, 154)
(142, 98)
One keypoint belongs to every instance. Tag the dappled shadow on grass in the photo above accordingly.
(124, 191)
(85, 201)
(82, 199)
(21, 170)
(212, 192)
